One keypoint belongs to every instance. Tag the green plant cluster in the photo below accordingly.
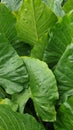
(36, 65)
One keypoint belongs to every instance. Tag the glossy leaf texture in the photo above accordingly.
(65, 116)
(34, 18)
(12, 5)
(51, 47)
(7, 24)
(64, 73)
(13, 74)
(55, 6)
(10, 120)
(43, 88)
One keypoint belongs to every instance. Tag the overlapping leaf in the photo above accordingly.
(64, 72)
(43, 89)
(65, 116)
(13, 74)
(13, 5)
(21, 99)
(10, 120)
(33, 20)
(50, 49)
(41, 24)
(55, 6)
(60, 37)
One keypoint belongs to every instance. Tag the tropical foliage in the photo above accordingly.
(36, 65)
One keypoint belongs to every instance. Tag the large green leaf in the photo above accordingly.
(52, 47)
(68, 6)
(33, 20)
(65, 116)
(10, 120)
(43, 89)
(13, 74)
(7, 23)
(64, 72)
(12, 4)
(55, 6)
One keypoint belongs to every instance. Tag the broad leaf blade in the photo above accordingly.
(10, 120)
(13, 74)
(43, 88)
(50, 47)
(64, 72)
(33, 20)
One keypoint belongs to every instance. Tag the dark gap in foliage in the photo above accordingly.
(63, 2)
(3, 94)
(52, 66)
(48, 125)
(57, 106)
(29, 108)
(23, 49)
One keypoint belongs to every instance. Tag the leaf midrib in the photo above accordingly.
(35, 20)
